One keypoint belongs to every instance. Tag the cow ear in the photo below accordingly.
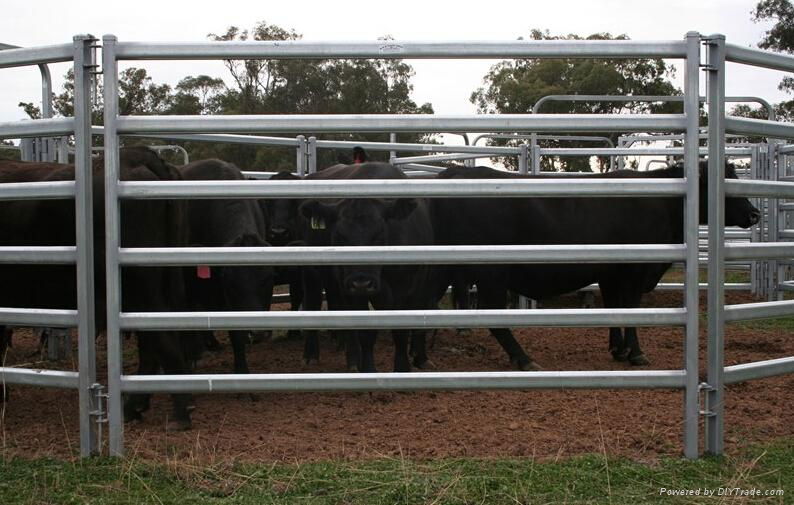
(399, 209)
(320, 215)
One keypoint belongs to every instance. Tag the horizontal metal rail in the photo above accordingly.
(37, 190)
(226, 139)
(25, 56)
(758, 370)
(38, 317)
(627, 151)
(400, 319)
(762, 127)
(760, 310)
(757, 251)
(27, 255)
(51, 127)
(417, 381)
(789, 234)
(759, 189)
(402, 147)
(283, 49)
(40, 378)
(392, 188)
(755, 57)
(437, 158)
(400, 123)
(401, 255)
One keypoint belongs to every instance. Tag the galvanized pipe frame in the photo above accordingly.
(115, 189)
(401, 255)
(385, 123)
(718, 313)
(291, 49)
(81, 52)
(400, 319)
(418, 381)
(492, 188)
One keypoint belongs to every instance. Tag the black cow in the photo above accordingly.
(143, 224)
(577, 220)
(285, 227)
(226, 223)
(368, 222)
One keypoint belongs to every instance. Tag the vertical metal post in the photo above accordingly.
(523, 159)
(715, 93)
(84, 65)
(755, 232)
(621, 157)
(312, 154)
(26, 149)
(534, 151)
(300, 161)
(63, 150)
(47, 151)
(392, 140)
(782, 218)
(774, 221)
(113, 272)
(691, 235)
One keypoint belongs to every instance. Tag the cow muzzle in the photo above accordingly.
(361, 285)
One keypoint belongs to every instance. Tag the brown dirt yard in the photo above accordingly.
(547, 424)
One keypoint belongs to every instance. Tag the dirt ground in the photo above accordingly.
(546, 424)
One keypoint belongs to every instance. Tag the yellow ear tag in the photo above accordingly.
(317, 223)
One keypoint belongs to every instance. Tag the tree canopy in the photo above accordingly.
(266, 87)
(778, 38)
(514, 86)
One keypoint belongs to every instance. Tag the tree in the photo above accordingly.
(197, 95)
(311, 87)
(514, 86)
(778, 38)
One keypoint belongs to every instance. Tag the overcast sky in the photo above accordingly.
(446, 84)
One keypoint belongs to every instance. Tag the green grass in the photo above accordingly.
(586, 479)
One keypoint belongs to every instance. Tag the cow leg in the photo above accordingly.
(402, 362)
(239, 339)
(366, 339)
(632, 342)
(136, 404)
(296, 300)
(313, 300)
(419, 349)
(617, 346)
(173, 362)
(494, 296)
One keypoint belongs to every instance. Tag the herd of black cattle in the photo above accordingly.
(342, 222)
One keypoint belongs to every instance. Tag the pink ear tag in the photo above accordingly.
(203, 272)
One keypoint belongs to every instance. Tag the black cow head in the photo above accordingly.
(357, 222)
(738, 210)
(282, 215)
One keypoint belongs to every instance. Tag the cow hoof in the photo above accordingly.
(639, 360)
(619, 354)
(529, 366)
(352, 368)
(424, 364)
(181, 425)
(132, 415)
(309, 361)
(464, 332)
